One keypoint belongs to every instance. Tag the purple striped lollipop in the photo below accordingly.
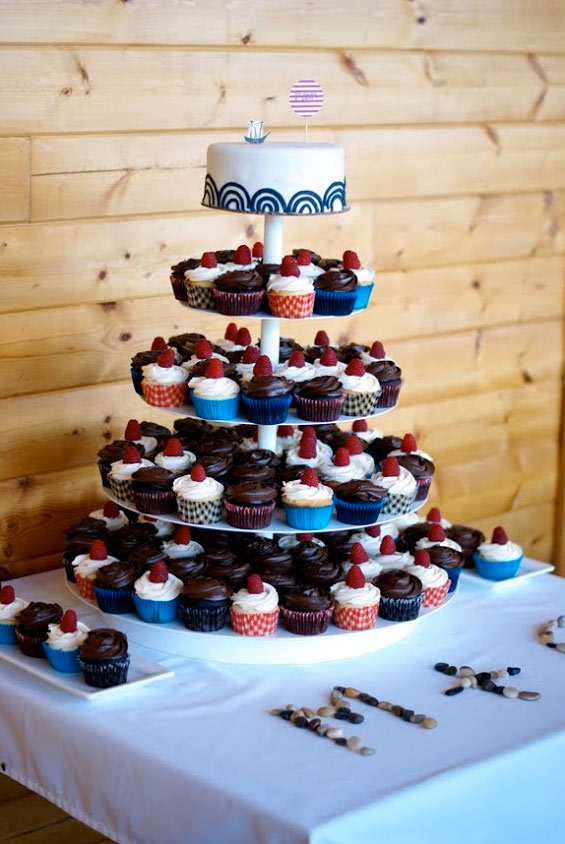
(306, 97)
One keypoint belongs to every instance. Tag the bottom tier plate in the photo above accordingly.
(282, 649)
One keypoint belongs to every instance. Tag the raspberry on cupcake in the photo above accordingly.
(307, 503)
(500, 558)
(290, 293)
(365, 278)
(156, 593)
(296, 368)
(86, 567)
(199, 281)
(400, 487)
(434, 579)
(356, 601)
(359, 456)
(418, 464)
(214, 396)
(120, 474)
(63, 642)
(10, 606)
(266, 398)
(255, 609)
(340, 470)
(358, 556)
(199, 497)
(164, 383)
(361, 389)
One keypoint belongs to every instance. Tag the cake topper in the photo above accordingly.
(255, 132)
(306, 98)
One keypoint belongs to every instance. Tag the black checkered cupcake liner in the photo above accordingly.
(397, 504)
(200, 297)
(200, 512)
(121, 488)
(359, 404)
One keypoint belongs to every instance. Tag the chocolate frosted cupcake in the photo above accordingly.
(468, 538)
(250, 505)
(287, 345)
(194, 429)
(266, 398)
(239, 292)
(306, 610)
(104, 658)
(320, 399)
(177, 277)
(283, 581)
(314, 257)
(401, 595)
(308, 553)
(204, 604)
(335, 292)
(187, 568)
(247, 472)
(267, 270)
(274, 558)
(152, 488)
(381, 447)
(359, 502)
(389, 376)
(352, 350)
(317, 573)
(113, 587)
(216, 466)
(410, 535)
(32, 626)
(448, 559)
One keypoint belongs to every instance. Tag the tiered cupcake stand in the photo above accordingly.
(283, 648)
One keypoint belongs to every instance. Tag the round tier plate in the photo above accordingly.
(282, 649)
(278, 522)
(264, 314)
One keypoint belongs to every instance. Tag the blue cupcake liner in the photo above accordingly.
(400, 609)
(155, 612)
(116, 601)
(332, 303)
(266, 411)
(357, 512)
(453, 575)
(137, 378)
(497, 569)
(308, 518)
(225, 409)
(8, 633)
(362, 296)
(65, 661)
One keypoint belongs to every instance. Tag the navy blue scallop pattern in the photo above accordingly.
(234, 197)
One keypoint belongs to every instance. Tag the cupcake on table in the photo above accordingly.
(417, 462)
(336, 292)
(500, 558)
(104, 658)
(156, 594)
(63, 642)
(434, 579)
(290, 293)
(113, 586)
(255, 609)
(358, 556)
(164, 383)
(10, 606)
(204, 604)
(356, 601)
(86, 567)
(199, 281)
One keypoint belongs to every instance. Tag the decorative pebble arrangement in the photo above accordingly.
(545, 634)
(408, 715)
(468, 678)
(305, 719)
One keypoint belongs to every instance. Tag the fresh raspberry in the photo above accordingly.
(358, 554)
(387, 545)
(329, 358)
(377, 350)
(231, 332)
(289, 267)
(434, 515)
(350, 260)
(133, 431)
(203, 349)
(181, 535)
(297, 359)
(422, 558)
(310, 477)
(285, 431)
(263, 366)
(436, 533)
(305, 537)
(409, 443)
(198, 472)
(243, 337)
(69, 622)
(214, 369)
(309, 433)
(131, 455)
(321, 339)
(251, 355)
(391, 469)
(499, 535)
(173, 448)
(159, 344)
(307, 449)
(373, 531)
(242, 255)
(208, 260)
(166, 358)
(304, 258)
(98, 550)
(355, 367)
(360, 425)
(7, 595)
(258, 250)
(159, 572)
(355, 578)
(255, 585)
(111, 510)
(341, 457)
(354, 445)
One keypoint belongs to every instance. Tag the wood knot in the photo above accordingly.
(103, 274)
(24, 482)
(245, 39)
(66, 92)
(125, 336)
(127, 255)
(108, 306)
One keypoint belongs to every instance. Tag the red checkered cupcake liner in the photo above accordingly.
(299, 306)
(355, 618)
(238, 304)
(85, 587)
(254, 624)
(434, 596)
(164, 395)
(249, 518)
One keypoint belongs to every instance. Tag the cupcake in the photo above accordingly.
(156, 594)
(356, 601)
(203, 352)
(152, 490)
(147, 446)
(401, 595)
(177, 277)
(371, 537)
(328, 363)
(228, 340)
(306, 610)
(436, 536)
(163, 530)
(291, 293)
(468, 538)
(390, 557)
(63, 642)
(434, 579)
(10, 606)
(498, 559)
(287, 436)
(361, 390)
(400, 487)
(111, 453)
(244, 369)
(239, 292)
(361, 429)
(359, 502)
(381, 447)
(307, 503)
(365, 279)
(296, 368)
(113, 587)
(336, 292)
(444, 553)
(340, 470)
(199, 498)
(266, 398)
(32, 626)
(111, 515)
(223, 564)
(175, 458)
(418, 463)
(241, 344)
(358, 456)
(164, 383)
(255, 610)
(86, 567)
(241, 259)
(214, 396)
(120, 474)
(204, 604)
(309, 450)
(320, 399)
(104, 658)
(434, 515)
(317, 349)
(199, 282)
(144, 358)
(181, 546)
(359, 557)
(389, 376)
(250, 505)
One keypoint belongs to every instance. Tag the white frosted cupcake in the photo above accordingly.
(435, 580)
(63, 643)
(341, 469)
(400, 486)
(10, 606)
(242, 260)
(436, 536)
(356, 601)
(310, 451)
(361, 429)
(119, 476)
(86, 567)
(255, 610)
(359, 456)
(134, 434)
(371, 537)
(163, 383)
(214, 396)
(199, 282)
(375, 353)
(174, 457)
(389, 558)
(111, 515)
(290, 293)
(156, 594)
(307, 503)
(297, 369)
(163, 530)
(227, 342)
(328, 364)
(362, 389)
(199, 498)
(358, 556)
(247, 364)
(306, 267)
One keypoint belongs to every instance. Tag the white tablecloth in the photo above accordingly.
(197, 758)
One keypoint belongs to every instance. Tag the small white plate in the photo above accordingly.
(529, 568)
(141, 672)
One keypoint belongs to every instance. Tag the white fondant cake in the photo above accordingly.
(276, 178)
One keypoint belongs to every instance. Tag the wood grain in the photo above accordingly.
(14, 179)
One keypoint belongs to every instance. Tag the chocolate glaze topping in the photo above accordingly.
(341, 281)
(104, 643)
(321, 387)
(205, 589)
(251, 494)
(306, 599)
(396, 583)
(239, 281)
(360, 490)
(384, 370)
(267, 386)
(116, 575)
(153, 478)
(447, 558)
(418, 466)
(37, 615)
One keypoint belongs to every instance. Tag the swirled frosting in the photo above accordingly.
(61, 641)
(336, 280)
(398, 583)
(149, 591)
(209, 488)
(367, 596)
(302, 495)
(8, 612)
(155, 374)
(365, 383)
(290, 284)
(431, 577)
(249, 602)
(176, 464)
(494, 552)
(204, 274)
(37, 615)
(104, 643)
(402, 484)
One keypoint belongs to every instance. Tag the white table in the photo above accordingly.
(197, 758)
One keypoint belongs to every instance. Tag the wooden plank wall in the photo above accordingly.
(453, 119)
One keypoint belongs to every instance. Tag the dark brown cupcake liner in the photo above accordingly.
(155, 503)
(31, 644)
(388, 396)
(306, 623)
(238, 304)
(104, 673)
(422, 488)
(318, 410)
(179, 289)
(249, 518)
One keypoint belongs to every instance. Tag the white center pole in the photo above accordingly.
(270, 328)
